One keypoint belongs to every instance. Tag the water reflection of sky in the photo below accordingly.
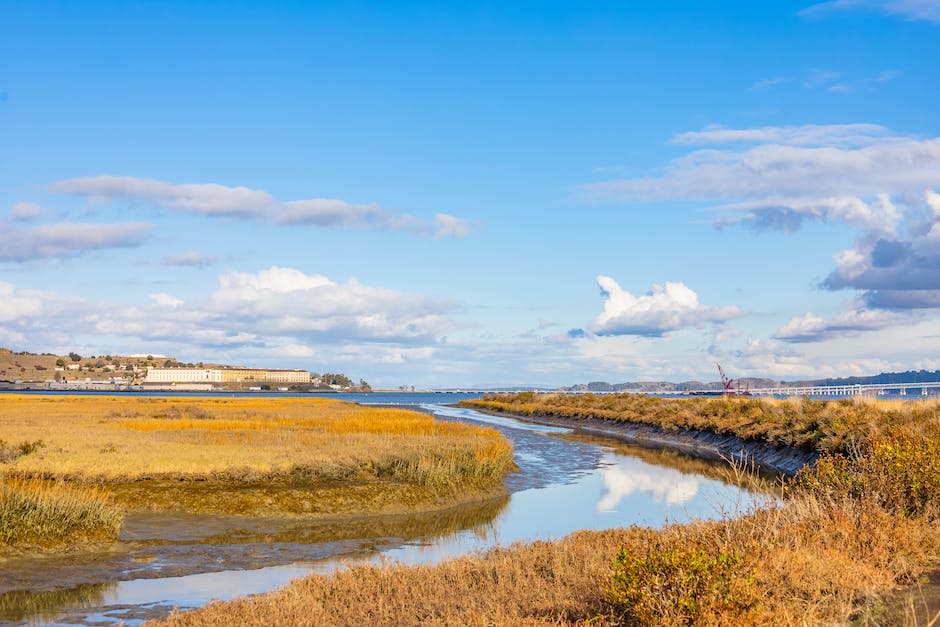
(623, 477)
(618, 491)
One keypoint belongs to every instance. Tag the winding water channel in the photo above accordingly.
(566, 482)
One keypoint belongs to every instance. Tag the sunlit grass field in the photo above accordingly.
(268, 456)
(817, 425)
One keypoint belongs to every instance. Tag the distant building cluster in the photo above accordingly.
(225, 375)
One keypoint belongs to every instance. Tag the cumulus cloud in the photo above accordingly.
(223, 201)
(896, 269)
(279, 306)
(25, 211)
(16, 304)
(811, 328)
(198, 260)
(254, 314)
(925, 10)
(289, 301)
(66, 239)
(31, 317)
(667, 307)
(776, 178)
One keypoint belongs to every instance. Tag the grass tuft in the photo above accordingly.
(42, 513)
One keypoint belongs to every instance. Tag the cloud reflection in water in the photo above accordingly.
(626, 476)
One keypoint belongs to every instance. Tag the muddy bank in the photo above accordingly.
(786, 460)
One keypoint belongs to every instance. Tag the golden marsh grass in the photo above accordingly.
(820, 425)
(249, 455)
(43, 513)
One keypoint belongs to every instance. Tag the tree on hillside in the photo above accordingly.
(328, 378)
(75, 356)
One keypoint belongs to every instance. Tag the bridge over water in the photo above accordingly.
(862, 389)
(931, 388)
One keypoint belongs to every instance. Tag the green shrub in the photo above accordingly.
(681, 585)
(898, 469)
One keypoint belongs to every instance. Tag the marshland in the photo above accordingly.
(579, 530)
(309, 457)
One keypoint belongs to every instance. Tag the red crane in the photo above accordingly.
(725, 381)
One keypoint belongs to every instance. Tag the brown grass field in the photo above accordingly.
(819, 425)
(272, 456)
(847, 534)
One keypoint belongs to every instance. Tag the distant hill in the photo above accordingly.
(911, 376)
(31, 367)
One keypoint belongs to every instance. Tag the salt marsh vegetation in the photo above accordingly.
(271, 456)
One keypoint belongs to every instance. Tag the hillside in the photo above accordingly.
(30, 367)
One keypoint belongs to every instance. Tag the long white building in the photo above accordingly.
(225, 375)
(183, 375)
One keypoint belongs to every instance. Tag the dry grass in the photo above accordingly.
(102, 440)
(848, 532)
(42, 513)
(820, 425)
(287, 455)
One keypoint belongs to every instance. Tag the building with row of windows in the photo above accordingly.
(225, 375)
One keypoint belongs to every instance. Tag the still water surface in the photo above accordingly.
(565, 483)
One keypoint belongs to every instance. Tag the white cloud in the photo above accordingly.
(926, 10)
(207, 198)
(222, 201)
(667, 307)
(66, 239)
(32, 317)
(165, 300)
(775, 178)
(788, 214)
(194, 259)
(804, 135)
(771, 358)
(25, 211)
(811, 328)
(787, 170)
(290, 302)
(264, 315)
(896, 270)
(266, 310)
(16, 304)
(933, 201)
(449, 226)
(868, 83)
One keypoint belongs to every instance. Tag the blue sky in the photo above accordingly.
(452, 194)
